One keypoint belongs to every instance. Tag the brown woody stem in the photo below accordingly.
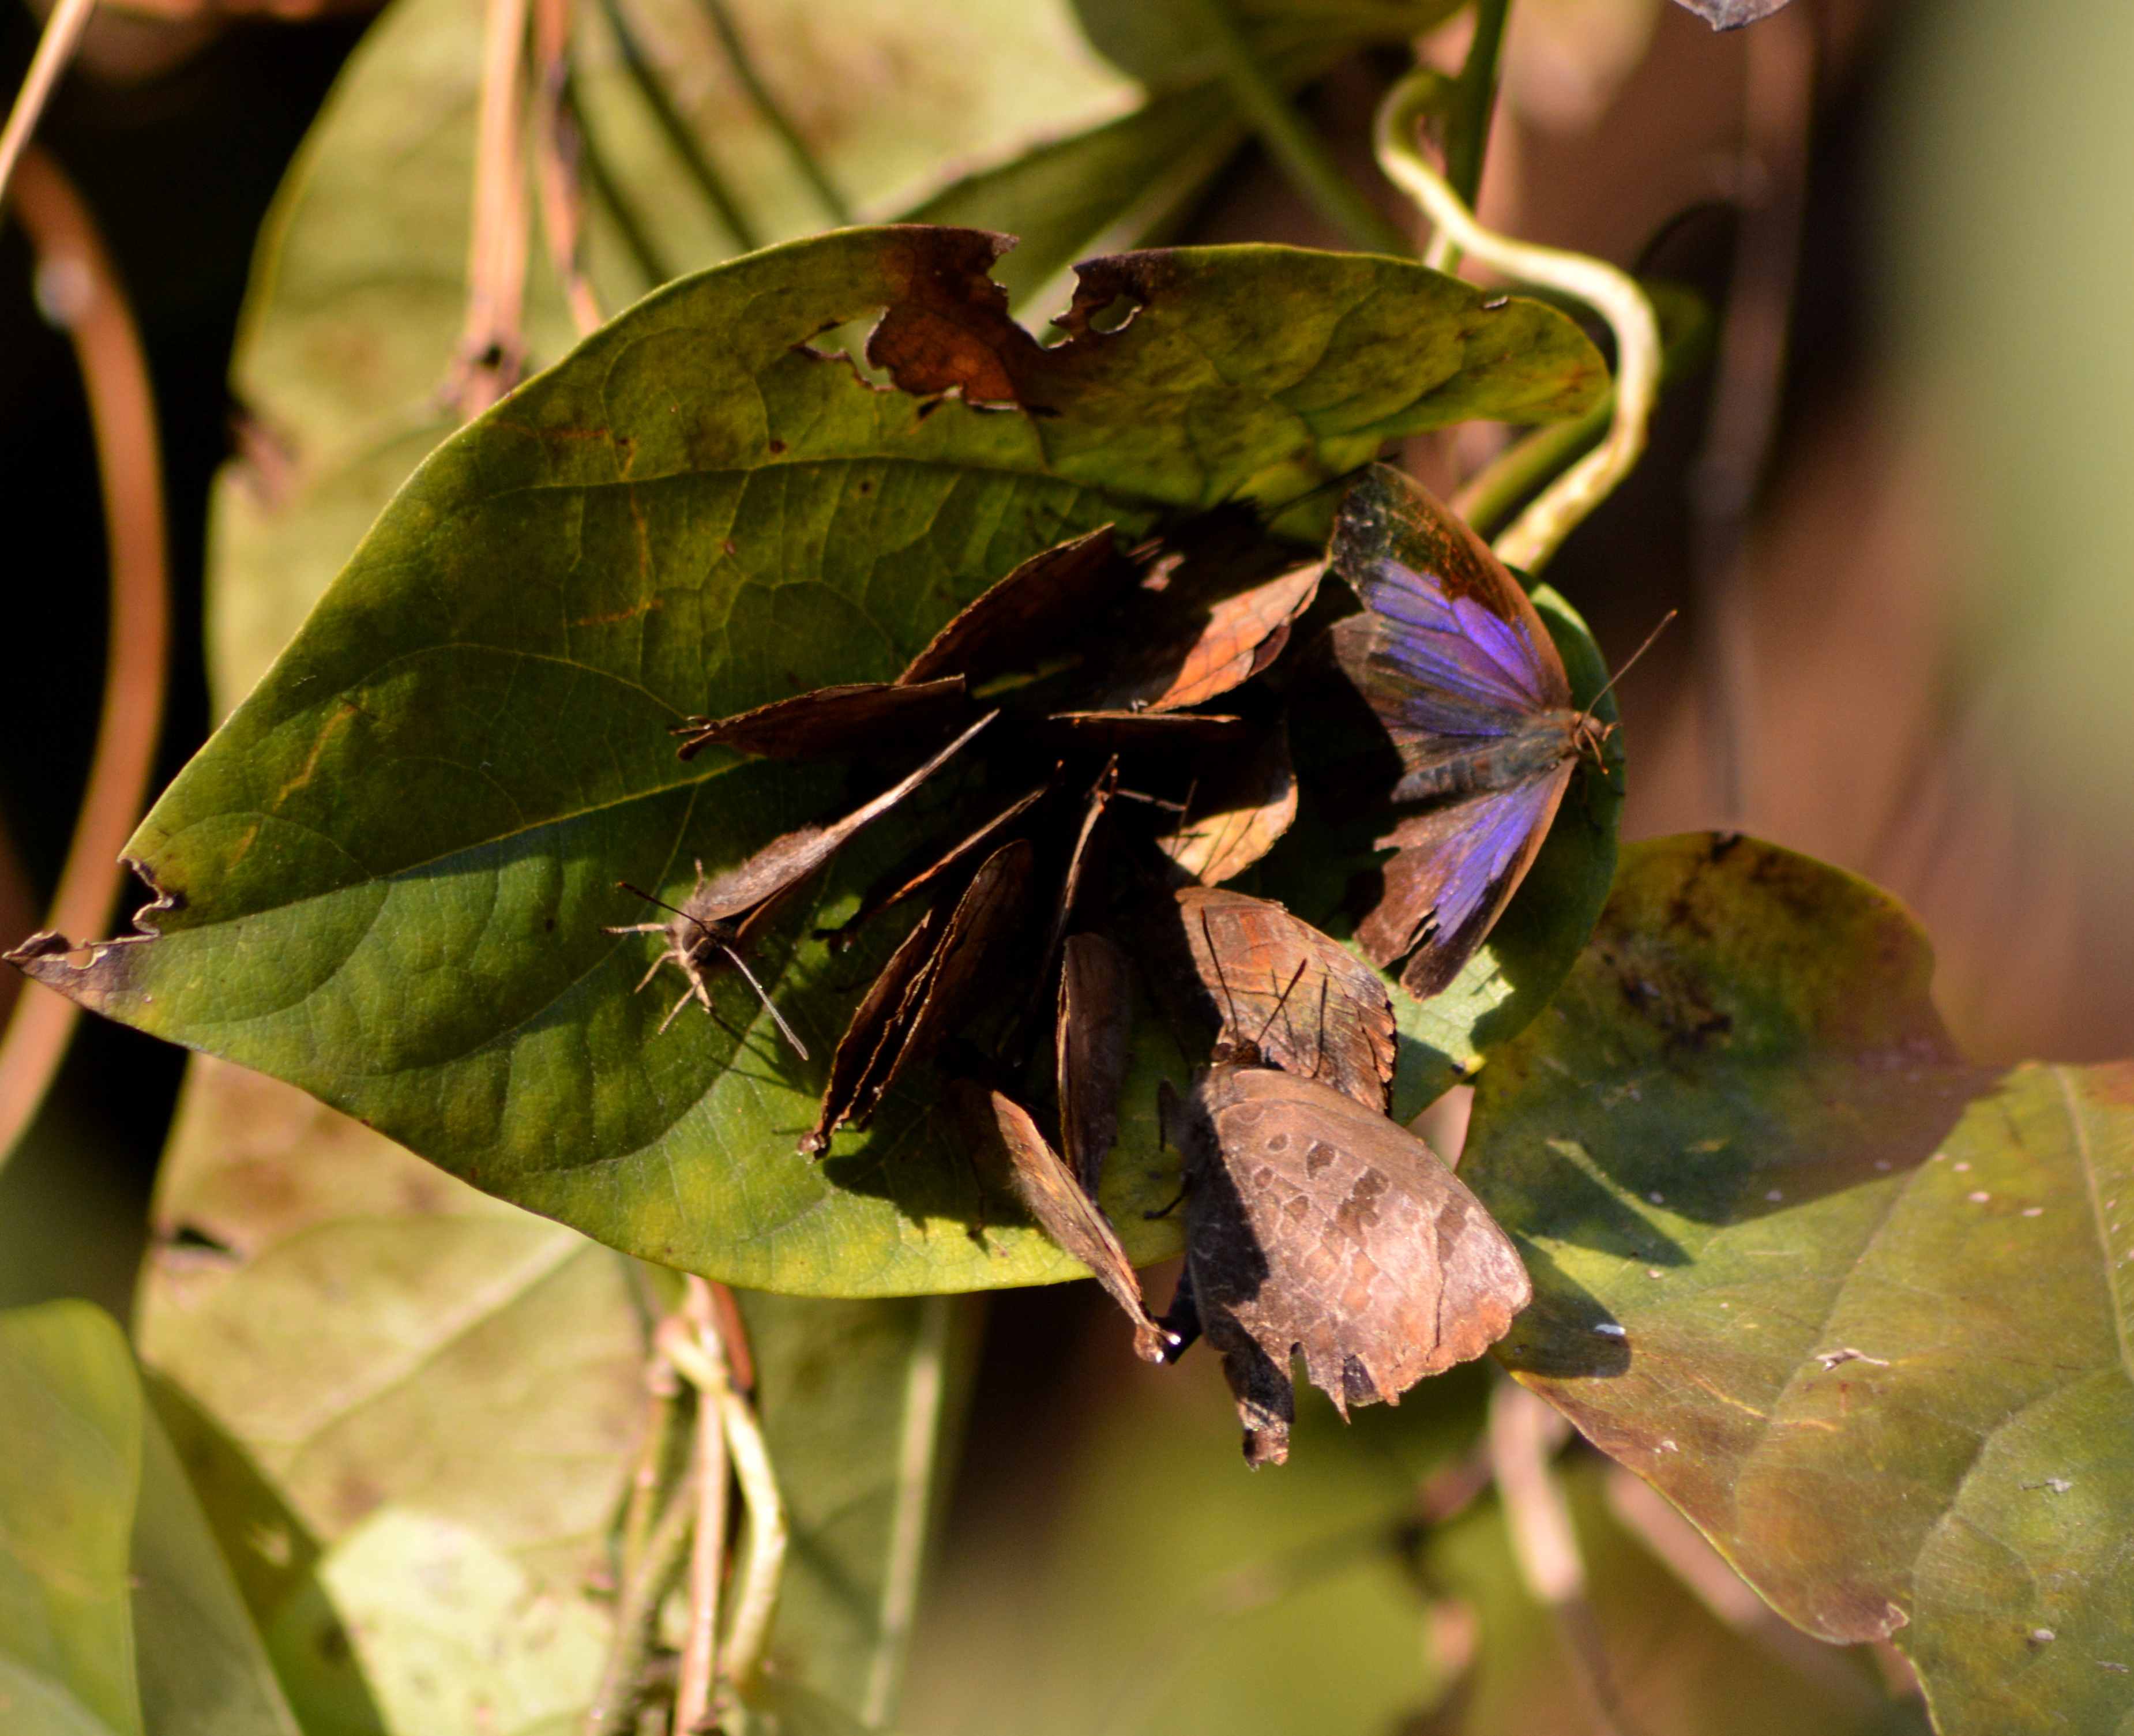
(80, 291)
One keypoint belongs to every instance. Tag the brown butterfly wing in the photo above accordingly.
(1327, 1231)
(1307, 1003)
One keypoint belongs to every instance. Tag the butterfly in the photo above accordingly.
(1316, 1226)
(1455, 664)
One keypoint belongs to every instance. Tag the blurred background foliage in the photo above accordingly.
(1917, 651)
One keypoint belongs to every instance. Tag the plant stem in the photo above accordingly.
(684, 142)
(1295, 146)
(492, 348)
(708, 1560)
(918, 1447)
(774, 114)
(629, 221)
(556, 148)
(636, 1607)
(1747, 387)
(1473, 104)
(1566, 501)
(55, 47)
(1489, 499)
(78, 289)
(1524, 1434)
(758, 1596)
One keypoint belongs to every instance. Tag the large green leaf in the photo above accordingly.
(862, 1405)
(204, 1668)
(105, 1556)
(385, 877)
(412, 1413)
(380, 1381)
(1858, 1308)
(69, 1479)
(357, 295)
(1669, 1665)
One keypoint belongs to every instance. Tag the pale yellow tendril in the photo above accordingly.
(1553, 514)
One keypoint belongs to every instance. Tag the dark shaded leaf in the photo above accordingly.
(1850, 1302)
(827, 723)
(1094, 1031)
(1236, 812)
(1010, 1149)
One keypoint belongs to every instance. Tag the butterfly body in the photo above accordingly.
(1457, 666)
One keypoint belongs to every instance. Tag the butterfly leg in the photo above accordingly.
(1167, 1116)
(1181, 1320)
(1267, 1401)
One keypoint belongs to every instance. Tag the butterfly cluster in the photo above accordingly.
(1102, 738)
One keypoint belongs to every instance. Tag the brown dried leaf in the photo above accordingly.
(1202, 627)
(826, 722)
(1123, 731)
(1025, 619)
(1008, 1145)
(1237, 814)
(922, 992)
(909, 882)
(1095, 1027)
(1269, 981)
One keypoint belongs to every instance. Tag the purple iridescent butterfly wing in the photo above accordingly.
(1451, 645)
(1458, 668)
(1456, 868)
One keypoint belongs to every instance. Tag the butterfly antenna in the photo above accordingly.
(1296, 976)
(1628, 662)
(1215, 958)
(770, 1006)
(639, 892)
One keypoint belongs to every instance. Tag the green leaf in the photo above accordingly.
(389, 1391)
(386, 876)
(412, 1412)
(1856, 1306)
(413, 1623)
(70, 1477)
(1169, 45)
(204, 1669)
(358, 296)
(1672, 1665)
(1123, 183)
(862, 1404)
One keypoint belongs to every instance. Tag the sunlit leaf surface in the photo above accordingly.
(1858, 1307)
